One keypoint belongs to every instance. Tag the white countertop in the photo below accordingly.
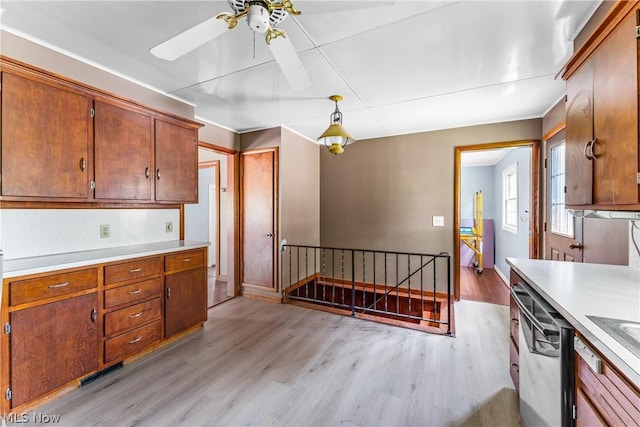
(577, 290)
(40, 264)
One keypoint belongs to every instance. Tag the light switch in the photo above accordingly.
(438, 221)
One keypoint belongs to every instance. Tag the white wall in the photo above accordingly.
(33, 232)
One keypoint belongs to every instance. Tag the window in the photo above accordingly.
(561, 219)
(510, 199)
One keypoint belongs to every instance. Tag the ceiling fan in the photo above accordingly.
(262, 17)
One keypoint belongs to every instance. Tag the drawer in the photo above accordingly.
(118, 348)
(131, 317)
(514, 365)
(131, 293)
(132, 270)
(23, 291)
(183, 260)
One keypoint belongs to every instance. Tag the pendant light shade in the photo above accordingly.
(336, 137)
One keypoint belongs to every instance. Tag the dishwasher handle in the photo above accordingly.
(516, 292)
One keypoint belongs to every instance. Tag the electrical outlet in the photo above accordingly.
(168, 226)
(438, 221)
(105, 231)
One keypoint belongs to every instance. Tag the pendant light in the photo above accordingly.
(336, 137)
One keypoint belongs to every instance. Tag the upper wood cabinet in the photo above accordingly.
(66, 142)
(46, 142)
(603, 148)
(123, 151)
(176, 162)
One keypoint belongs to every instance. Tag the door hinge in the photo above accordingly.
(7, 394)
(92, 112)
(574, 412)
(565, 189)
(545, 227)
(638, 32)
(93, 185)
(545, 163)
(638, 178)
(7, 328)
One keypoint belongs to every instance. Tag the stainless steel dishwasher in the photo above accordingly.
(546, 361)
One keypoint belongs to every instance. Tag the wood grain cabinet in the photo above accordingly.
(132, 307)
(46, 146)
(176, 162)
(185, 284)
(62, 141)
(602, 130)
(604, 397)
(54, 334)
(123, 152)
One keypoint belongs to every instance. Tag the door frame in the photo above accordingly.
(534, 226)
(215, 164)
(254, 290)
(233, 216)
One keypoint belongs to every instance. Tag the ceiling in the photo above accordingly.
(402, 66)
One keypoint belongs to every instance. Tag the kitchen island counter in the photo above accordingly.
(578, 290)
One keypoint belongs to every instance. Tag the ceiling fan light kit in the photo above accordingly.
(262, 17)
(336, 137)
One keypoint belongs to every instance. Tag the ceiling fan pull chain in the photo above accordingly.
(254, 44)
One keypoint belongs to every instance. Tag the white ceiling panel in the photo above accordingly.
(402, 66)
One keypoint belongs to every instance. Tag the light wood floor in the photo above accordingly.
(258, 363)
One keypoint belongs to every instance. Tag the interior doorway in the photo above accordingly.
(212, 219)
(506, 176)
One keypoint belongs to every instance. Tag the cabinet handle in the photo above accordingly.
(146, 172)
(593, 154)
(168, 293)
(83, 164)
(137, 291)
(135, 270)
(515, 321)
(588, 150)
(59, 285)
(268, 235)
(133, 341)
(133, 316)
(94, 315)
(186, 260)
(158, 173)
(515, 367)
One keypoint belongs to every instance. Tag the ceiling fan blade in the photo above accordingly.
(289, 62)
(190, 39)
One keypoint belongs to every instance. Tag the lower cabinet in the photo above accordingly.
(64, 326)
(185, 291)
(51, 345)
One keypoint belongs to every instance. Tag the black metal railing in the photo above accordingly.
(411, 287)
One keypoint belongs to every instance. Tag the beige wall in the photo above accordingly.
(382, 193)
(219, 136)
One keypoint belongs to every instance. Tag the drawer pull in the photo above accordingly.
(133, 316)
(515, 321)
(137, 291)
(133, 341)
(515, 367)
(94, 315)
(135, 270)
(186, 260)
(59, 285)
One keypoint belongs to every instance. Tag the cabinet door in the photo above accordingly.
(123, 153)
(579, 132)
(185, 300)
(615, 90)
(45, 140)
(52, 345)
(176, 163)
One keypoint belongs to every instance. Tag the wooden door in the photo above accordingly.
(176, 163)
(259, 213)
(563, 232)
(45, 140)
(185, 300)
(579, 179)
(51, 345)
(615, 91)
(123, 153)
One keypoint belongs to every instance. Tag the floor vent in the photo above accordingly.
(97, 375)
